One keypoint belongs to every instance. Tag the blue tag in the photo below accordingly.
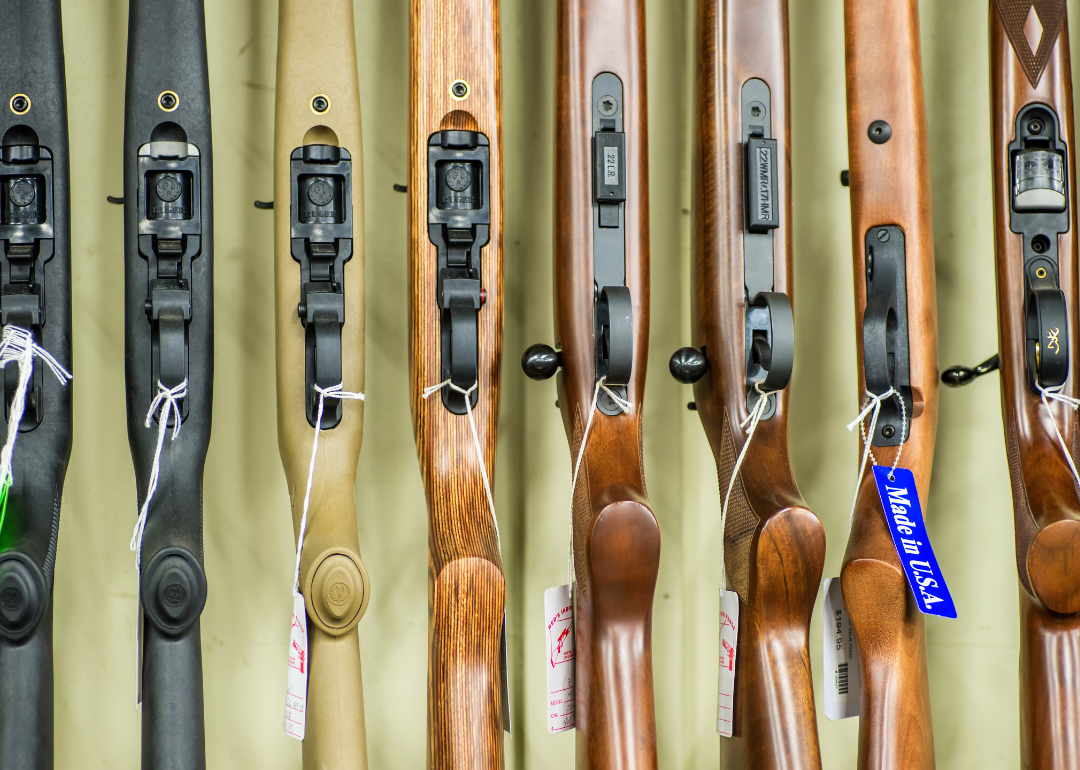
(900, 499)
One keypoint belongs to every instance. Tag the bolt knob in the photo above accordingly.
(688, 365)
(540, 362)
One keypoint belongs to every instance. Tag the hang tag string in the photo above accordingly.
(18, 346)
(625, 407)
(1055, 394)
(168, 401)
(429, 391)
(872, 406)
(760, 407)
(334, 391)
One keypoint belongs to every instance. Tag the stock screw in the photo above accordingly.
(882, 235)
(1035, 126)
(608, 105)
(168, 100)
(20, 104)
(879, 132)
(320, 104)
(888, 431)
(459, 89)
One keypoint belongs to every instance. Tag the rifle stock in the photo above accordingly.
(455, 235)
(774, 545)
(616, 538)
(32, 57)
(1045, 503)
(168, 237)
(890, 187)
(321, 141)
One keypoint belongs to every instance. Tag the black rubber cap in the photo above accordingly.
(540, 362)
(688, 365)
(173, 590)
(22, 596)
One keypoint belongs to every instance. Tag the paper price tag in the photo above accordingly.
(842, 665)
(729, 641)
(296, 685)
(900, 499)
(559, 613)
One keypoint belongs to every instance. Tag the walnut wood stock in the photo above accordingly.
(457, 40)
(1046, 509)
(317, 55)
(775, 546)
(616, 538)
(890, 185)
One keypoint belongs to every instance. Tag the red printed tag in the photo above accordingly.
(559, 612)
(296, 686)
(729, 640)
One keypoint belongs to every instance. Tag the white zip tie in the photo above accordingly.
(1072, 403)
(873, 403)
(167, 399)
(476, 443)
(334, 391)
(760, 407)
(571, 573)
(18, 346)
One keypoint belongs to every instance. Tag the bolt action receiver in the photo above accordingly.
(769, 335)
(170, 237)
(459, 224)
(321, 240)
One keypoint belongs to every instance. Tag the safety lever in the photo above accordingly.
(321, 235)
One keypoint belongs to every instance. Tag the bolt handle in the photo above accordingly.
(540, 362)
(957, 376)
(688, 365)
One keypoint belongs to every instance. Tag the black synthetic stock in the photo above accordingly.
(167, 52)
(32, 63)
(173, 736)
(26, 699)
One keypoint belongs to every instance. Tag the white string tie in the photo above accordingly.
(1056, 395)
(447, 383)
(872, 406)
(168, 400)
(760, 407)
(625, 407)
(334, 391)
(18, 346)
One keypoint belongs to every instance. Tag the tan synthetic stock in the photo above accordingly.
(457, 40)
(317, 55)
(890, 185)
(1046, 509)
(774, 545)
(616, 537)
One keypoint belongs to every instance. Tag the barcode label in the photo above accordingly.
(843, 672)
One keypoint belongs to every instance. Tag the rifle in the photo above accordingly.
(36, 304)
(740, 365)
(1035, 218)
(319, 276)
(601, 337)
(896, 338)
(169, 359)
(455, 317)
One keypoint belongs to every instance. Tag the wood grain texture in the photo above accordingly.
(451, 40)
(890, 185)
(775, 546)
(617, 540)
(331, 560)
(1046, 507)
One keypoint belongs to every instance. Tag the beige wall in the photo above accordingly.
(248, 536)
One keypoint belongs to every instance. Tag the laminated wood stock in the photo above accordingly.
(616, 537)
(890, 186)
(452, 41)
(1030, 69)
(317, 58)
(775, 546)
